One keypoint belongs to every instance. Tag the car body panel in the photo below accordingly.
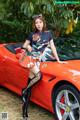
(15, 77)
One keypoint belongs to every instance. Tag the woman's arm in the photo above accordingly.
(27, 45)
(54, 50)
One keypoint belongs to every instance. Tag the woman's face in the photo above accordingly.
(39, 24)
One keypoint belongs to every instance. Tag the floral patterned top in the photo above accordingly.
(40, 45)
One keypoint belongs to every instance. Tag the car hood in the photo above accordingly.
(64, 70)
(74, 64)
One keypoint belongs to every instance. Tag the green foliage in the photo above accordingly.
(11, 31)
(69, 44)
(16, 17)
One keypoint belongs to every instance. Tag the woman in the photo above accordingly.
(36, 44)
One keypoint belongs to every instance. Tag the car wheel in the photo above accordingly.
(66, 102)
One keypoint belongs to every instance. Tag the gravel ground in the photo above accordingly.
(12, 104)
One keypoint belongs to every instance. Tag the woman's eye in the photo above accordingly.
(36, 22)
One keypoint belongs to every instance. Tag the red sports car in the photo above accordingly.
(59, 89)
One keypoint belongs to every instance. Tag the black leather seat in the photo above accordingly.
(12, 46)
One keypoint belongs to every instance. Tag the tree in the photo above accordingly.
(16, 15)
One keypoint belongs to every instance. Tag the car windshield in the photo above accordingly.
(67, 48)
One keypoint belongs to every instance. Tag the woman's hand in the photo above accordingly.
(62, 62)
(29, 48)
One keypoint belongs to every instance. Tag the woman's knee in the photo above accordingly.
(34, 80)
(35, 69)
(38, 76)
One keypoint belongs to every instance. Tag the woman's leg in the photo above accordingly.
(34, 77)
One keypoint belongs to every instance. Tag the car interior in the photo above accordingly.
(13, 46)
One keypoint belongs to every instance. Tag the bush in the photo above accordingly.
(12, 31)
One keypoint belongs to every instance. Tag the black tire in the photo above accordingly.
(74, 97)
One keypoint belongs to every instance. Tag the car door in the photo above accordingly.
(15, 74)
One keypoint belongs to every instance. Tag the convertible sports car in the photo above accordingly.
(59, 89)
